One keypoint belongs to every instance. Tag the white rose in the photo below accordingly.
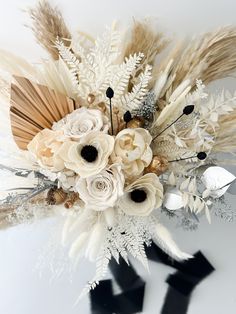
(81, 122)
(90, 155)
(142, 196)
(101, 191)
(44, 148)
(133, 150)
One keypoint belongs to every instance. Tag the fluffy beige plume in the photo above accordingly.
(48, 25)
(226, 135)
(144, 39)
(209, 57)
(15, 65)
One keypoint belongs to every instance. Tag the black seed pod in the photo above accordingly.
(201, 155)
(188, 109)
(110, 93)
(127, 116)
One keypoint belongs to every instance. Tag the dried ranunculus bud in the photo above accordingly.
(158, 165)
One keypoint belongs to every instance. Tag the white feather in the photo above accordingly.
(179, 90)
(161, 81)
(78, 244)
(168, 245)
(57, 76)
(109, 215)
(80, 222)
(66, 229)
(95, 241)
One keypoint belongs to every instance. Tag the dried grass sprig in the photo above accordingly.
(48, 25)
(5, 211)
(13, 214)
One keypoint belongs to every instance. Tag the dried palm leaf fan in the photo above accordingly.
(35, 107)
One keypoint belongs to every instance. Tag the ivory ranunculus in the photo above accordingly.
(90, 155)
(132, 150)
(44, 149)
(142, 196)
(81, 122)
(101, 191)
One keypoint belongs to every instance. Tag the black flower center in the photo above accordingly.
(138, 196)
(89, 153)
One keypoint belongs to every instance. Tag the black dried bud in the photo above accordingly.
(138, 196)
(110, 93)
(89, 153)
(127, 116)
(201, 155)
(188, 109)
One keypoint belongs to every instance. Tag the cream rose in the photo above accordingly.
(142, 196)
(101, 191)
(90, 155)
(132, 150)
(81, 122)
(44, 149)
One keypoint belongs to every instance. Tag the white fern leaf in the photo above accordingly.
(122, 73)
(70, 59)
(96, 69)
(132, 100)
(101, 270)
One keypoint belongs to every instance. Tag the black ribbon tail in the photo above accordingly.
(181, 284)
(130, 301)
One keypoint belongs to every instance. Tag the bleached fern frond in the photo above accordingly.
(67, 55)
(132, 100)
(107, 47)
(70, 59)
(81, 43)
(120, 80)
(101, 271)
(129, 236)
(95, 70)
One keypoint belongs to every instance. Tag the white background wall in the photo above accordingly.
(21, 289)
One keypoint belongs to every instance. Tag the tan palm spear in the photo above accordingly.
(35, 107)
